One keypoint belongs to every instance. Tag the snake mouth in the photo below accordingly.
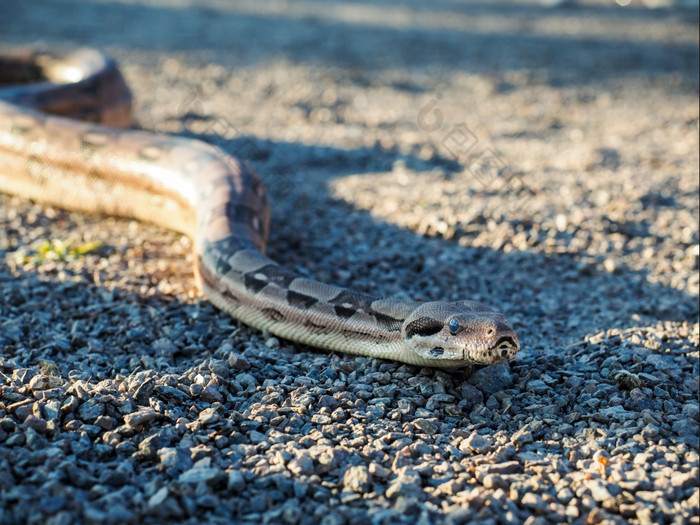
(505, 342)
(504, 349)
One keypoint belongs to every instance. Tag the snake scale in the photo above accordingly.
(64, 141)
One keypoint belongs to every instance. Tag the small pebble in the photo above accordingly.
(357, 479)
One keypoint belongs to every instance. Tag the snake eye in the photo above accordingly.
(453, 326)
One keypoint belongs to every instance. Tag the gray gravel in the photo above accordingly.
(544, 163)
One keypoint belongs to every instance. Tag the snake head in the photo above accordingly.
(451, 334)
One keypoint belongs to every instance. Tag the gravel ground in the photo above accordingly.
(544, 163)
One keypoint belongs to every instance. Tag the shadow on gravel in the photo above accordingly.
(552, 300)
(542, 294)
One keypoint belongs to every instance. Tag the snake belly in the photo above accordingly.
(64, 140)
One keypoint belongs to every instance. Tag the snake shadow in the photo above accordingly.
(548, 297)
(552, 300)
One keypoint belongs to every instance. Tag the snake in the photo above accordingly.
(65, 140)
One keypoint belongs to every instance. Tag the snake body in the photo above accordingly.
(96, 165)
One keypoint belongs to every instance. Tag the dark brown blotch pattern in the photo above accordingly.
(423, 326)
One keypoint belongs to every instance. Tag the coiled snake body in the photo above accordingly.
(193, 187)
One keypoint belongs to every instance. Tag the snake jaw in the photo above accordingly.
(504, 349)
